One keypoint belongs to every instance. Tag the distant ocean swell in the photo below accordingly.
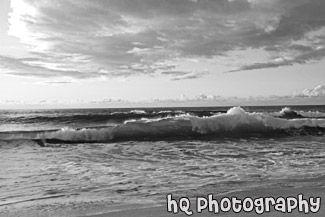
(177, 125)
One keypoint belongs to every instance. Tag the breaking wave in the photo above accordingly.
(237, 120)
(289, 114)
(235, 123)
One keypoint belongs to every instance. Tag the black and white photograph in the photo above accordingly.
(161, 108)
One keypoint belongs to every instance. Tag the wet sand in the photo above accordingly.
(90, 209)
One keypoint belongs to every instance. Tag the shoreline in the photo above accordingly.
(53, 207)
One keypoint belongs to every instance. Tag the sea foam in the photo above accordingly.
(238, 119)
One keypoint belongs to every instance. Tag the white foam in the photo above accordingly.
(138, 111)
(285, 110)
(237, 118)
(309, 114)
(168, 117)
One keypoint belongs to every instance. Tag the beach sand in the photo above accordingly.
(274, 192)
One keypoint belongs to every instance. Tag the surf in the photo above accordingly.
(235, 123)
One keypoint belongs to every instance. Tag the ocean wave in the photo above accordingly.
(169, 117)
(235, 123)
(291, 114)
(238, 120)
(90, 119)
(311, 114)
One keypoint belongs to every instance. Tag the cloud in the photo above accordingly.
(54, 83)
(95, 38)
(318, 91)
(174, 73)
(313, 96)
(23, 67)
(182, 75)
(64, 103)
(203, 96)
(107, 100)
(305, 55)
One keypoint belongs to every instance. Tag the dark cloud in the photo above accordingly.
(92, 38)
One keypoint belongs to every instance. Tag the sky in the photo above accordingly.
(109, 53)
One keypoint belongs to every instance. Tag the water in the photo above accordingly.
(104, 159)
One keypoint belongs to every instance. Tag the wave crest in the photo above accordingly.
(236, 122)
(237, 119)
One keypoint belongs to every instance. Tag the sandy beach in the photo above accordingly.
(38, 208)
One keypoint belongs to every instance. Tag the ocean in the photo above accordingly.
(89, 161)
